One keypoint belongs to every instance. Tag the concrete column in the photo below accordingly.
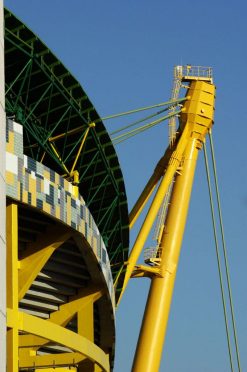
(2, 201)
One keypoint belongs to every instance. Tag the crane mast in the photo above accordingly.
(177, 165)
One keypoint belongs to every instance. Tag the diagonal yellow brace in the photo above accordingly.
(81, 146)
(62, 316)
(53, 332)
(67, 311)
(150, 186)
(59, 157)
(38, 254)
(172, 167)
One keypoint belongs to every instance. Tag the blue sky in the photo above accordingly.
(123, 53)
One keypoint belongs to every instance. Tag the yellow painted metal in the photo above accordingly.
(64, 315)
(97, 368)
(198, 118)
(85, 324)
(59, 157)
(141, 271)
(56, 369)
(75, 184)
(81, 146)
(36, 256)
(26, 333)
(55, 333)
(156, 314)
(51, 360)
(151, 184)
(80, 305)
(85, 297)
(198, 111)
(43, 156)
(173, 165)
(69, 132)
(12, 284)
(12, 349)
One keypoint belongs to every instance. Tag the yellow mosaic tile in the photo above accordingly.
(10, 144)
(10, 178)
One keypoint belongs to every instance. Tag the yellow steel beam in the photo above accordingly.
(81, 146)
(61, 317)
(66, 311)
(198, 117)
(57, 334)
(42, 157)
(31, 341)
(62, 359)
(141, 271)
(172, 167)
(59, 157)
(97, 368)
(150, 186)
(85, 325)
(198, 111)
(37, 254)
(85, 321)
(68, 133)
(12, 284)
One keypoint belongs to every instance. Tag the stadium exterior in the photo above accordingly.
(67, 217)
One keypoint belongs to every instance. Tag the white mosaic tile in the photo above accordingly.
(11, 163)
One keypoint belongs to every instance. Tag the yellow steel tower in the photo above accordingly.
(178, 166)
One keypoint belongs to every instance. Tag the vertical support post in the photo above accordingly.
(152, 334)
(2, 201)
(85, 321)
(85, 324)
(12, 279)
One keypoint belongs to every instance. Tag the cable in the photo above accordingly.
(140, 121)
(224, 251)
(138, 130)
(218, 256)
(142, 109)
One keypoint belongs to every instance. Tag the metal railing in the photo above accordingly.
(151, 254)
(193, 71)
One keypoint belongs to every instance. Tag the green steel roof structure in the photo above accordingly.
(63, 130)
